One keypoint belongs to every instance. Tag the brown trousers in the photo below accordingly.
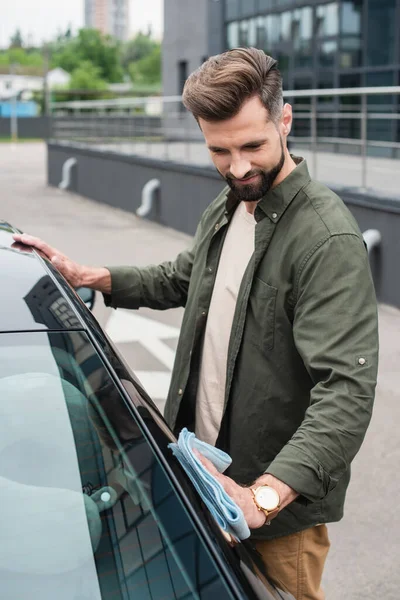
(295, 562)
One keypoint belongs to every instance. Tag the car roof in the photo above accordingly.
(33, 296)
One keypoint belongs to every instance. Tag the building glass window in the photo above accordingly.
(232, 35)
(302, 30)
(252, 33)
(261, 33)
(182, 74)
(283, 63)
(272, 26)
(243, 33)
(265, 4)
(327, 20)
(381, 31)
(248, 8)
(286, 26)
(350, 52)
(231, 9)
(350, 17)
(327, 53)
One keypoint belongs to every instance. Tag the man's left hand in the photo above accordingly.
(243, 496)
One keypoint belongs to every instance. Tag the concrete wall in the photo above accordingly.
(216, 29)
(186, 191)
(28, 127)
(185, 39)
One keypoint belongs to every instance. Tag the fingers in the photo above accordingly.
(207, 463)
(30, 240)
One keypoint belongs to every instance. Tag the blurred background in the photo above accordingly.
(99, 157)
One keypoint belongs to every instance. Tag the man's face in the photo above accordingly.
(248, 150)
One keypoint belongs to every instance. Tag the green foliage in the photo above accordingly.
(93, 60)
(89, 45)
(140, 46)
(147, 69)
(87, 77)
(16, 40)
(20, 56)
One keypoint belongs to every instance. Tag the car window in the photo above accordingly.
(87, 510)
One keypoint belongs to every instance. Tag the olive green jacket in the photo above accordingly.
(303, 351)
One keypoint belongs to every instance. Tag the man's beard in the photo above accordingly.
(254, 192)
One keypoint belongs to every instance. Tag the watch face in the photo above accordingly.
(267, 498)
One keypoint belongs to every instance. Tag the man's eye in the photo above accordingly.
(218, 151)
(256, 147)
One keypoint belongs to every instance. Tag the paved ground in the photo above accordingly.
(364, 560)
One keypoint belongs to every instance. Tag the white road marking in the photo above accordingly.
(156, 383)
(127, 326)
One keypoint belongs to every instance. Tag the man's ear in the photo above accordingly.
(286, 119)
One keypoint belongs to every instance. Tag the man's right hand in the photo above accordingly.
(76, 274)
(72, 271)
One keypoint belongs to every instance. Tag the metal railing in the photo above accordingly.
(351, 121)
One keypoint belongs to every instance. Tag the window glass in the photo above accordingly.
(350, 52)
(350, 16)
(252, 33)
(182, 74)
(327, 20)
(302, 29)
(265, 4)
(231, 9)
(232, 34)
(327, 53)
(381, 31)
(248, 8)
(286, 26)
(87, 510)
(261, 25)
(273, 27)
(244, 27)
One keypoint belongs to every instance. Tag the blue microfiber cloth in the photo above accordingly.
(224, 510)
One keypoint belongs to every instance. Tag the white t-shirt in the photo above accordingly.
(236, 252)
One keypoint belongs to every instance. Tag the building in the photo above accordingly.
(318, 43)
(22, 85)
(108, 16)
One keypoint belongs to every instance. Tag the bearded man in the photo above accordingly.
(278, 354)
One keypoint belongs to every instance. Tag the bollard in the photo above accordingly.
(148, 196)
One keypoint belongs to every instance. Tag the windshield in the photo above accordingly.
(87, 511)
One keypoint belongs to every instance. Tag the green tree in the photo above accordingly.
(140, 46)
(148, 69)
(16, 40)
(22, 57)
(87, 77)
(89, 45)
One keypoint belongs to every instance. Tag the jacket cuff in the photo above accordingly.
(303, 473)
(123, 291)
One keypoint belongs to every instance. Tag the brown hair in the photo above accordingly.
(218, 88)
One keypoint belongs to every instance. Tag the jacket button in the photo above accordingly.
(204, 313)
(361, 361)
(180, 391)
(217, 227)
(274, 215)
(210, 269)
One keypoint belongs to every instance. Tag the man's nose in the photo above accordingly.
(239, 168)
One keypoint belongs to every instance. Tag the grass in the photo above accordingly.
(8, 140)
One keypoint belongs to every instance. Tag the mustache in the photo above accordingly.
(248, 175)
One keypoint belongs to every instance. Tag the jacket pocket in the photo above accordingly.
(261, 313)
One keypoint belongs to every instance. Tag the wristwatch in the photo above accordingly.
(266, 499)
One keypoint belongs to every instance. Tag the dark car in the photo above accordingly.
(93, 503)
